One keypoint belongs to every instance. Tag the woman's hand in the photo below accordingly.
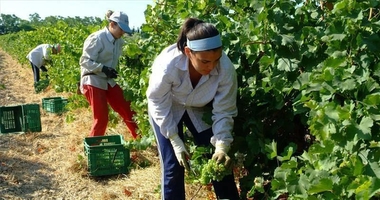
(110, 72)
(180, 151)
(221, 156)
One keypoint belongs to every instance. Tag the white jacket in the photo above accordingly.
(39, 54)
(170, 94)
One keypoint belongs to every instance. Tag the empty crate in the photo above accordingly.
(11, 119)
(106, 155)
(54, 104)
(20, 118)
(31, 118)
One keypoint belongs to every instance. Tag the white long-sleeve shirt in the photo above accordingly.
(100, 49)
(170, 93)
(39, 54)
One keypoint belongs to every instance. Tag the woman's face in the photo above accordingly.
(115, 30)
(204, 61)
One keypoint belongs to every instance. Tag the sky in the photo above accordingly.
(72, 8)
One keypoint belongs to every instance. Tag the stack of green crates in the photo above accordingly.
(106, 155)
(20, 118)
(54, 104)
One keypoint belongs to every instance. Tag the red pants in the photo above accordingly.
(99, 100)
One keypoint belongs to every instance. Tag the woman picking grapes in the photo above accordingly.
(188, 78)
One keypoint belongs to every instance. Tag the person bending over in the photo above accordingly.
(40, 56)
(187, 79)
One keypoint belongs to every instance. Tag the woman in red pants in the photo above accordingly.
(101, 52)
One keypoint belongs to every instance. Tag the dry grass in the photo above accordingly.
(51, 164)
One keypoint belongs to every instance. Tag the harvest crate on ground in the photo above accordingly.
(54, 104)
(20, 118)
(106, 155)
(32, 118)
(11, 119)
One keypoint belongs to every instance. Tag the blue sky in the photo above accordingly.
(90, 8)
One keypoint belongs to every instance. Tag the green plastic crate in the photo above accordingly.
(106, 155)
(11, 119)
(31, 118)
(54, 104)
(20, 118)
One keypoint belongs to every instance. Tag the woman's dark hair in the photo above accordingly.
(194, 29)
(108, 14)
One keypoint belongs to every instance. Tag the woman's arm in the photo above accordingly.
(160, 100)
(91, 48)
(224, 106)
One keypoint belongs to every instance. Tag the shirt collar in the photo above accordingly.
(109, 36)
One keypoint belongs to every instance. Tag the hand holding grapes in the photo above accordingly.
(216, 168)
(221, 156)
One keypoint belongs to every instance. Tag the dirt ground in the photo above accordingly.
(48, 164)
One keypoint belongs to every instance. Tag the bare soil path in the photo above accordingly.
(50, 165)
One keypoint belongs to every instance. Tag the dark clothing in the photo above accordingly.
(36, 71)
(173, 186)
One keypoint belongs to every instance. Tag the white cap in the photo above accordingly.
(122, 20)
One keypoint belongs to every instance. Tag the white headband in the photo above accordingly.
(205, 43)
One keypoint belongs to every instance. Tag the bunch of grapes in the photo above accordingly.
(213, 171)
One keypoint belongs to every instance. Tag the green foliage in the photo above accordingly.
(199, 157)
(140, 144)
(308, 96)
(212, 171)
(41, 85)
(13, 24)
(203, 168)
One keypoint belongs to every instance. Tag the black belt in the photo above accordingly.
(89, 74)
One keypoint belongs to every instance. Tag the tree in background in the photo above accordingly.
(12, 24)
